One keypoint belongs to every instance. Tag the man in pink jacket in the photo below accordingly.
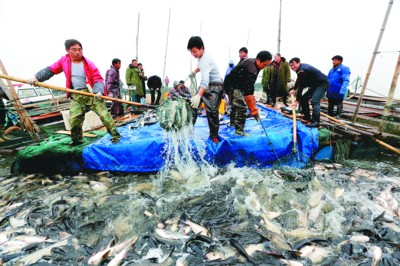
(81, 75)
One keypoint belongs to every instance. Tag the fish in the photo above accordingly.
(291, 262)
(122, 245)
(37, 255)
(376, 253)
(99, 256)
(359, 238)
(196, 228)
(97, 186)
(170, 235)
(270, 226)
(315, 212)
(119, 257)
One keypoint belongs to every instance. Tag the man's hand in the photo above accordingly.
(32, 81)
(192, 74)
(257, 117)
(110, 95)
(195, 102)
(295, 104)
(293, 92)
(98, 95)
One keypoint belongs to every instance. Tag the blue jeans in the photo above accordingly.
(315, 94)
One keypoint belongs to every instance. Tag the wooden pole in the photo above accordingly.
(166, 44)
(53, 87)
(137, 38)
(372, 60)
(389, 102)
(25, 120)
(383, 144)
(278, 50)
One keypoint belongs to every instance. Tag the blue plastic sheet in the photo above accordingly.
(143, 150)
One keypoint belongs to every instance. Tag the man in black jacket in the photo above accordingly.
(239, 85)
(154, 84)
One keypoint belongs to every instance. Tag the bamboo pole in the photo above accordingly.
(26, 121)
(279, 27)
(137, 39)
(388, 105)
(384, 144)
(166, 44)
(53, 87)
(372, 60)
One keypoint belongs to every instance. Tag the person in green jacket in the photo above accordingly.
(275, 79)
(133, 78)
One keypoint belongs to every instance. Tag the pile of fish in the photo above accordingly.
(346, 216)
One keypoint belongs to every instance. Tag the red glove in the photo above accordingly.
(251, 103)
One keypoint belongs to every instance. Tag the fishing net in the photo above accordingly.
(296, 169)
(174, 114)
(342, 149)
(52, 155)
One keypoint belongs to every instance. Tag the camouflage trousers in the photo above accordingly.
(79, 106)
(238, 109)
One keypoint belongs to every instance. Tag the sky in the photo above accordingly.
(33, 34)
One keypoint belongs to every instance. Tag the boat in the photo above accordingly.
(42, 104)
(143, 149)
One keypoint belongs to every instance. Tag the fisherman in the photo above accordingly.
(179, 90)
(275, 78)
(3, 113)
(211, 86)
(81, 75)
(133, 77)
(239, 85)
(339, 78)
(113, 87)
(154, 83)
(309, 76)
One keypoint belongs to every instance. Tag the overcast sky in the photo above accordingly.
(33, 34)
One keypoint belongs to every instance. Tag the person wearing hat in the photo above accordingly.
(178, 91)
(230, 67)
(339, 79)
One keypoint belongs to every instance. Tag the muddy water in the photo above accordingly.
(198, 214)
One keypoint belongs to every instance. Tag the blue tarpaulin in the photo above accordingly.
(142, 150)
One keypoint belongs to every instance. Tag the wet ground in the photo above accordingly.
(198, 214)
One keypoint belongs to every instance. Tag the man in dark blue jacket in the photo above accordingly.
(339, 78)
(317, 83)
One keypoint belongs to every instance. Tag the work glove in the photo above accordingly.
(195, 102)
(110, 95)
(251, 104)
(32, 81)
(98, 95)
(192, 74)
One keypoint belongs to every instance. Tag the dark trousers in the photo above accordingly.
(238, 110)
(153, 95)
(117, 109)
(331, 105)
(315, 94)
(212, 99)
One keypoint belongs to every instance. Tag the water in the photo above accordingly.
(238, 207)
